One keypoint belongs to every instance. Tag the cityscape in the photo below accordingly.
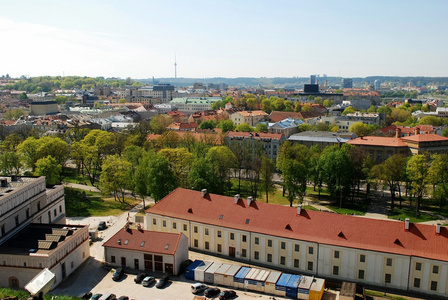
(226, 150)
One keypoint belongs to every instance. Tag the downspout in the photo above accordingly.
(409, 272)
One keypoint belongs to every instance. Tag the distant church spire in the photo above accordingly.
(175, 66)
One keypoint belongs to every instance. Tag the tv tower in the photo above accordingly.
(175, 67)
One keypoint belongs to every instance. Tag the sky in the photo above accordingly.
(241, 38)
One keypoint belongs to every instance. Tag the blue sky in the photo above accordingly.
(140, 38)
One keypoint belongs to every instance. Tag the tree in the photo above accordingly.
(445, 132)
(14, 114)
(121, 101)
(180, 160)
(223, 161)
(28, 151)
(298, 107)
(417, 171)
(267, 171)
(10, 163)
(438, 177)
(430, 120)
(206, 125)
(348, 110)
(384, 110)
(304, 127)
(50, 168)
(327, 103)
(266, 106)
(115, 176)
(226, 125)
(372, 109)
(261, 127)
(23, 96)
(159, 123)
(361, 129)
(203, 175)
(244, 127)
(392, 173)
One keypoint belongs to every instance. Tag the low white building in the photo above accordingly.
(147, 250)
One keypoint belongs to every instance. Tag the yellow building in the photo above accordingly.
(384, 253)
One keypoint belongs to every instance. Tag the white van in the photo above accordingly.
(198, 287)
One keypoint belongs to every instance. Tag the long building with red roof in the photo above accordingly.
(395, 254)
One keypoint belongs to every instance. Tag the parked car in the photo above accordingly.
(86, 295)
(96, 296)
(119, 272)
(148, 280)
(162, 281)
(123, 298)
(227, 294)
(108, 296)
(198, 287)
(210, 292)
(102, 225)
(139, 278)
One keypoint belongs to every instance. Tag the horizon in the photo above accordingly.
(229, 39)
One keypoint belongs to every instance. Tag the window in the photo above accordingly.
(60, 208)
(387, 278)
(310, 250)
(27, 213)
(244, 238)
(154, 221)
(17, 219)
(54, 212)
(196, 243)
(164, 223)
(417, 282)
(195, 229)
(256, 255)
(336, 254)
(112, 259)
(435, 269)
(38, 206)
(297, 247)
(257, 241)
(219, 248)
(418, 266)
(296, 263)
(243, 253)
(360, 274)
(269, 243)
(206, 231)
(335, 270)
(219, 233)
(310, 266)
(362, 258)
(282, 260)
(269, 258)
(174, 225)
(389, 262)
(433, 285)
(3, 230)
(232, 236)
(283, 245)
(207, 245)
(185, 227)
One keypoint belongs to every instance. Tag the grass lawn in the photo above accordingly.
(21, 294)
(80, 203)
(403, 213)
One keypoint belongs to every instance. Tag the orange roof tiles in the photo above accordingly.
(155, 242)
(276, 136)
(425, 138)
(314, 226)
(378, 141)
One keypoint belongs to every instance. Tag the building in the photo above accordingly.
(34, 235)
(408, 256)
(269, 143)
(41, 108)
(147, 250)
(190, 105)
(286, 127)
(251, 117)
(347, 83)
(320, 138)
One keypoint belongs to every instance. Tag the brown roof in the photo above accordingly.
(378, 141)
(277, 116)
(145, 240)
(430, 137)
(259, 135)
(314, 226)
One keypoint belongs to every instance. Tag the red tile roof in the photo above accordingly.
(277, 116)
(430, 137)
(274, 136)
(155, 242)
(378, 141)
(314, 226)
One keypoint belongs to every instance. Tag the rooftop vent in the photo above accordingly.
(299, 209)
(438, 228)
(190, 210)
(203, 192)
(3, 182)
(341, 234)
(14, 178)
(249, 200)
(406, 224)
(237, 197)
(288, 227)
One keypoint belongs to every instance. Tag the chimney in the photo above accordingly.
(438, 228)
(237, 197)
(398, 133)
(417, 131)
(406, 224)
(249, 200)
(299, 209)
(204, 192)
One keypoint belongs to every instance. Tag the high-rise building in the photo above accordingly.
(376, 84)
(347, 83)
(313, 79)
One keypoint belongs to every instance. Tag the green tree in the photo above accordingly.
(28, 151)
(204, 175)
(226, 125)
(50, 168)
(438, 178)
(384, 110)
(206, 125)
(244, 127)
(14, 114)
(23, 97)
(10, 163)
(327, 103)
(304, 127)
(122, 100)
(445, 132)
(348, 110)
(223, 161)
(372, 109)
(261, 127)
(361, 129)
(267, 171)
(159, 123)
(266, 106)
(430, 120)
(417, 172)
(180, 160)
(392, 173)
(115, 176)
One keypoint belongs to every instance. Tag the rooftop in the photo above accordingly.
(378, 141)
(313, 226)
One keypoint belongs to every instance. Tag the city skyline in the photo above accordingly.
(140, 39)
